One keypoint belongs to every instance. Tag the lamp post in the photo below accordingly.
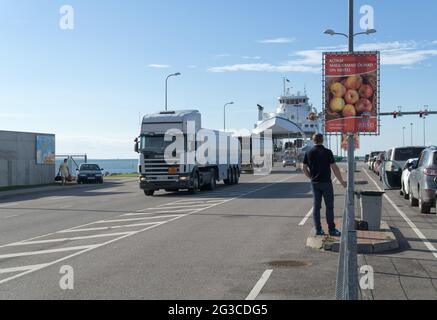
(352, 290)
(424, 126)
(411, 125)
(403, 135)
(166, 87)
(224, 114)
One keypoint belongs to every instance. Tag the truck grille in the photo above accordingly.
(158, 168)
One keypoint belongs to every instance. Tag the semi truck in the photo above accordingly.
(175, 154)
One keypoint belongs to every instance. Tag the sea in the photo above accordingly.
(110, 166)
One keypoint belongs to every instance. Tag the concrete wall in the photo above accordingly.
(18, 161)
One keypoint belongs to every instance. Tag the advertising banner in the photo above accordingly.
(351, 92)
(45, 149)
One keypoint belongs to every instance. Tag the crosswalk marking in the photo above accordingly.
(32, 253)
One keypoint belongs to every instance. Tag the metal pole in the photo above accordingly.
(166, 85)
(403, 136)
(411, 125)
(352, 290)
(224, 117)
(424, 131)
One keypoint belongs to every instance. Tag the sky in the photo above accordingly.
(89, 85)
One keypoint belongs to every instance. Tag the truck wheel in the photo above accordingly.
(149, 193)
(195, 184)
(228, 180)
(212, 184)
(237, 176)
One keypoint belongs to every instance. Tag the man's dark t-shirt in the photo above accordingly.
(319, 160)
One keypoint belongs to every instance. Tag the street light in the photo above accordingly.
(352, 291)
(403, 135)
(224, 114)
(411, 125)
(166, 87)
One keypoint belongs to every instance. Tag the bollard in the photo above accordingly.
(371, 208)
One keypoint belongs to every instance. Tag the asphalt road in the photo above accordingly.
(238, 242)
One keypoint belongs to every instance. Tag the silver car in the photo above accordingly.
(422, 185)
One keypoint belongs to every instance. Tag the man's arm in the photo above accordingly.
(306, 171)
(337, 174)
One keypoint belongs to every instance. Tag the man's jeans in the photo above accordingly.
(325, 191)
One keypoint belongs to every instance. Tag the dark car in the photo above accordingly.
(89, 173)
(422, 181)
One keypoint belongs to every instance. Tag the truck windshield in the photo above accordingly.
(404, 154)
(155, 144)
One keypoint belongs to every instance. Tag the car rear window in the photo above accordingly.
(404, 154)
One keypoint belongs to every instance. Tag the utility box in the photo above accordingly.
(371, 208)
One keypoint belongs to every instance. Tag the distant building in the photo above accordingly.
(26, 158)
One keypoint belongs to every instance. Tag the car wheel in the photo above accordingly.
(149, 193)
(424, 208)
(405, 193)
(413, 201)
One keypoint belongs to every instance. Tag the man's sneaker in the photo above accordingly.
(335, 233)
(320, 233)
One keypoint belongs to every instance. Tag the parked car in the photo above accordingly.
(89, 173)
(372, 158)
(405, 178)
(372, 163)
(395, 161)
(422, 185)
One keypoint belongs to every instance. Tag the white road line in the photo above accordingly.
(8, 204)
(179, 207)
(308, 215)
(157, 211)
(23, 268)
(137, 219)
(407, 220)
(110, 228)
(56, 198)
(33, 253)
(270, 184)
(27, 243)
(259, 285)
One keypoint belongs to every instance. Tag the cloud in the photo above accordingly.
(395, 53)
(252, 58)
(159, 66)
(278, 40)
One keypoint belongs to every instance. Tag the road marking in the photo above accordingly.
(27, 243)
(57, 198)
(8, 204)
(407, 220)
(137, 219)
(308, 215)
(259, 285)
(109, 228)
(23, 268)
(150, 227)
(33, 253)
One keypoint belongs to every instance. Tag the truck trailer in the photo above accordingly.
(175, 154)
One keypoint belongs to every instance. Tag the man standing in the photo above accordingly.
(317, 166)
(64, 171)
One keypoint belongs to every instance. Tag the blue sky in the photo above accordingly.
(89, 85)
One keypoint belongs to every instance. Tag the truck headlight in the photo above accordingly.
(183, 178)
(143, 179)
